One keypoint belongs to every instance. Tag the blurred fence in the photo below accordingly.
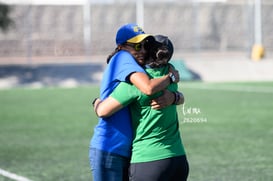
(48, 30)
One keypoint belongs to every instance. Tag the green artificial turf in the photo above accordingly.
(227, 130)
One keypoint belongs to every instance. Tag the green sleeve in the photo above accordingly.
(159, 72)
(125, 93)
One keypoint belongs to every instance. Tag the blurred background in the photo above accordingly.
(68, 28)
(204, 32)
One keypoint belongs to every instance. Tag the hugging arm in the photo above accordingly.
(146, 85)
(106, 107)
(150, 86)
(122, 96)
(168, 98)
(110, 105)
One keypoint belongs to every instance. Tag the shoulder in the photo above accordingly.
(157, 72)
(122, 57)
(123, 54)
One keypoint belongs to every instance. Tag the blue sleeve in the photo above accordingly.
(124, 64)
(119, 68)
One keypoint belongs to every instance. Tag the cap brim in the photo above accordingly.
(138, 38)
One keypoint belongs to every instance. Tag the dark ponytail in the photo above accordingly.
(117, 49)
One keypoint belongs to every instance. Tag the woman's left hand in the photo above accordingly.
(163, 101)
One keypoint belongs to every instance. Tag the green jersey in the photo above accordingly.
(156, 132)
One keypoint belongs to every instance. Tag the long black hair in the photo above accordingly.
(117, 49)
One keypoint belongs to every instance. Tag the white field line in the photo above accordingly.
(235, 88)
(12, 176)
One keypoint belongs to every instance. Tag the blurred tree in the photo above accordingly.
(5, 20)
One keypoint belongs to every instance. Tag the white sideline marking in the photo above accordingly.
(13, 176)
(232, 88)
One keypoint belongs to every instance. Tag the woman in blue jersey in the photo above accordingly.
(110, 146)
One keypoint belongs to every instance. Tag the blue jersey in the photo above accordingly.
(114, 134)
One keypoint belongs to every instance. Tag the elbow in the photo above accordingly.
(148, 90)
(101, 113)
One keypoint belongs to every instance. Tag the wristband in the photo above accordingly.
(174, 94)
(180, 95)
(177, 97)
(172, 77)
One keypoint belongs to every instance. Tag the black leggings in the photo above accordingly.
(170, 169)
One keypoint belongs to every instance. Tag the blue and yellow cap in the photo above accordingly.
(130, 33)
